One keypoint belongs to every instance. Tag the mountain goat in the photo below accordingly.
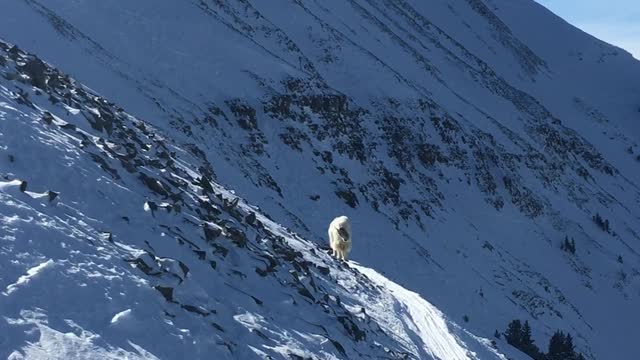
(340, 237)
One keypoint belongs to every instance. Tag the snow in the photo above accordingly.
(419, 317)
(74, 344)
(31, 274)
(87, 276)
(121, 316)
(6, 185)
(507, 93)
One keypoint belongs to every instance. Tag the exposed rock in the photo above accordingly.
(167, 292)
(250, 219)
(52, 195)
(36, 69)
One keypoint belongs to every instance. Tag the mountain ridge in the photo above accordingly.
(446, 129)
(172, 268)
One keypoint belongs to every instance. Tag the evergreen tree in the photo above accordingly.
(569, 348)
(597, 219)
(526, 332)
(528, 345)
(513, 335)
(519, 336)
(556, 346)
(561, 347)
(602, 223)
(573, 246)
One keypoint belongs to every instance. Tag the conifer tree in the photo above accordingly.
(556, 346)
(526, 333)
(528, 345)
(561, 348)
(568, 344)
(519, 336)
(513, 335)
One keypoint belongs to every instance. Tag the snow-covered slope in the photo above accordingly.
(116, 244)
(465, 139)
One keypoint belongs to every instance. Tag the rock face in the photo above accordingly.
(463, 147)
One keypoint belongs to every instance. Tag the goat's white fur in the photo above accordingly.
(340, 237)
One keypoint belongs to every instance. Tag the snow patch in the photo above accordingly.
(31, 274)
(121, 316)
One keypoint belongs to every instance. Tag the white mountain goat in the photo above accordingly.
(340, 237)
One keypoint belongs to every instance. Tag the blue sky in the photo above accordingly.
(614, 21)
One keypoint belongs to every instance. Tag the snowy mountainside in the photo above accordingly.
(116, 244)
(465, 139)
